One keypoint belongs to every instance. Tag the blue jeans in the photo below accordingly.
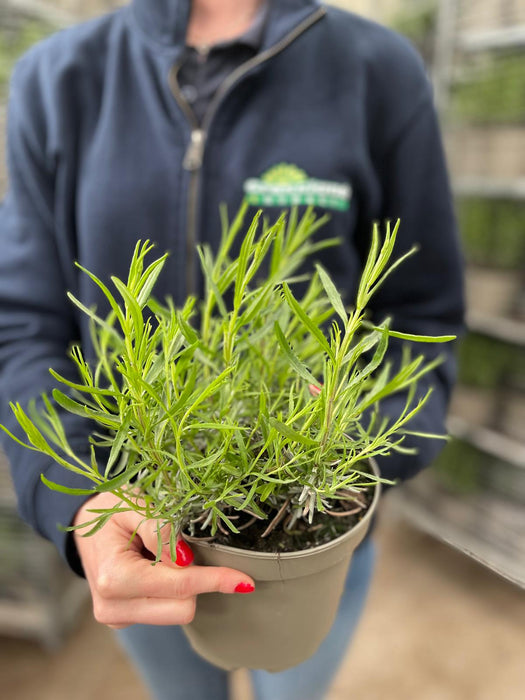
(173, 671)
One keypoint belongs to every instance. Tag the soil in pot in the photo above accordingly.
(324, 528)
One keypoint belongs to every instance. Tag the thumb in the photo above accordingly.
(149, 532)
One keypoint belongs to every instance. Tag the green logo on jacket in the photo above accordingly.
(285, 184)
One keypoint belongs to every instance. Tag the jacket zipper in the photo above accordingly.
(194, 155)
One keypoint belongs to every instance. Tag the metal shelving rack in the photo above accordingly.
(484, 524)
(40, 598)
(497, 39)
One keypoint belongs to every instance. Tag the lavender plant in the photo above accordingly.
(251, 402)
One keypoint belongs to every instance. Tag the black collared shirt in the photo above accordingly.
(203, 69)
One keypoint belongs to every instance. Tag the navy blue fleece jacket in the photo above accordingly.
(103, 150)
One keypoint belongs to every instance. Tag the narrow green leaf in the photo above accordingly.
(208, 272)
(293, 360)
(379, 354)
(227, 522)
(187, 329)
(120, 480)
(420, 338)
(95, 390)
(433, 436)
(208, 391)
(132, 306)
(393, 267)
(118, 441)
(16, 439)
(332, 293)
(149, 280)
(173, 543)
(268, 489)
(158, 556)
(109, 296)
(398, 382)
(307, 321)
(181, 402)
(100, 524)
(292, 434)
(91, 313)
(229, 234)
(214, 426)
(67, 489)
(366, 281)
(79, 409)
(244, 254)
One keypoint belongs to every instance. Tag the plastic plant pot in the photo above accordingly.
(283, 622)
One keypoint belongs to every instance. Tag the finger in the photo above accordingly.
(212, 579)
(183, 554)
(146, 611)
(131, 576)
(147, 534)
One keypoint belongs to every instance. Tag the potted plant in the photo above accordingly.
(248, 422)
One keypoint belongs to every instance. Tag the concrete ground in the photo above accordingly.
(437, 627)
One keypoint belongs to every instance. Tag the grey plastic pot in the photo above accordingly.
(291, 611)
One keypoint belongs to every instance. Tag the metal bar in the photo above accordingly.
(42, 10)
(506, 329)
(491, 39)
(513, 188)
(439, 526)
(444, 53)
(489, 441)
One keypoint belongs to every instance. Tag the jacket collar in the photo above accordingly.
(165, 21)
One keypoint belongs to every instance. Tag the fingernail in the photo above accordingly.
(244, 588)
(314, 390)
(184, 554)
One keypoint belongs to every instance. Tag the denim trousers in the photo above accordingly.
(171, 670)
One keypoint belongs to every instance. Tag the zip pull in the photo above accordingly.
(193, 156)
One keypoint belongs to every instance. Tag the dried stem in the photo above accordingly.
(254, 515)
(344, 513)
(277, 519)
(250, 522)
(222, 528)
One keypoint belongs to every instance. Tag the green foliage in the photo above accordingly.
(419, 25)
(492, 90)
(489, 363)
(16, 38)
(492, 231)
(464, 470)
(458, 467)
(261, 399)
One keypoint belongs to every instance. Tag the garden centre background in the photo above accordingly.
(446, 617)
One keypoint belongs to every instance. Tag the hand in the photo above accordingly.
(126, 588)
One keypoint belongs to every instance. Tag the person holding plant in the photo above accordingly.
(145, 121)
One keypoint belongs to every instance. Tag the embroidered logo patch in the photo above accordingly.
(285, 184)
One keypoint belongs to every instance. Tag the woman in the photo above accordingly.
(139, 124)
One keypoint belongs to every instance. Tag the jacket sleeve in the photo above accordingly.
(37, 322)
(425, 294)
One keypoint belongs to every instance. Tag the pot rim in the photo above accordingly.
(297, 554)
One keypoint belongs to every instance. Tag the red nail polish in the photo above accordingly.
(244, 588)
(314, 390)
(184, 554)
